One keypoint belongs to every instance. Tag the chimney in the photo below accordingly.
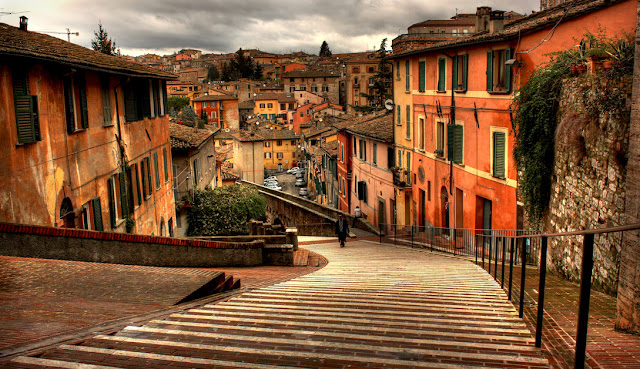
(482, 18)
(23, 23)
(496, 21)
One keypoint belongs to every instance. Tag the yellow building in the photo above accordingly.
(280, 149)
(404, 147)
(274, 106)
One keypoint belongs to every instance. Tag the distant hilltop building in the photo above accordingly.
(546, 4)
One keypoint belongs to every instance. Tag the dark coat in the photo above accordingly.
(342, 227)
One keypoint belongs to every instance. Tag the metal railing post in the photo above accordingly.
(523, 275)
(482, 236)
(504, 254)
(455, 240)
(585, 297)
(476, 247)
(495, 267)
(513, 246)
(490, 252)
(380, 226)
(543, 275)
(395, 234)
(411, 235)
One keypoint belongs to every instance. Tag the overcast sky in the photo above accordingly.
(222, 26)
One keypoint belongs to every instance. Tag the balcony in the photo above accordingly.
(356, 85)
(402, 179)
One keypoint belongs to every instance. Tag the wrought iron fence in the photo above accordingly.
(501, 249)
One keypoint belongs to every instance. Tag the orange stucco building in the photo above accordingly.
(453, 128)
(86, 138)
(220, 110)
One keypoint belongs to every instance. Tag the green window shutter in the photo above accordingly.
(442, 64)
(106, 101)
(450, 141)
(26, 108)
(124, 199)
(97, 214)
(408, 121)
(130, 102)
(399, 119)
(166, 164)
(465, 71)
(458, 143)
(149, 181)
(68, 101)
(165, 104)
(507, 71)
(407, 78)
(490, 70)
(409, 168)
(155, 90)
(498, 154)
(155, 164)
(397, 69)
(84, 109)
(144, 106)
(137, 174)
(454, 73)
(112, 203)
(421, 76)
(143, 175)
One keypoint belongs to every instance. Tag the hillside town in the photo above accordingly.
(436, 133)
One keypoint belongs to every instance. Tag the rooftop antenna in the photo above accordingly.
(68, 33)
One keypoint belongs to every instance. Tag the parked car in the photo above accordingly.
(274, 187)
(305, 197)
(293, 170)
(273, 178)
(300, 182)
(304, 192)
(271, 183)
(300, 173)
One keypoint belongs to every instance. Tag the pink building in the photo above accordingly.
(371, 141)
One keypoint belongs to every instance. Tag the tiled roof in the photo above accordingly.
(512, 30)
(185, 137)
(14, 42)
(330, 147)
(376, 126)
(215, 98)
(249, 104)
(281, 97)
(308, 74)
(246, 136)
(278, 134)
(225, 134)
(460, 21)
(228, 176)
(321, 131)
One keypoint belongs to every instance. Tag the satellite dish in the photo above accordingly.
(388, 105)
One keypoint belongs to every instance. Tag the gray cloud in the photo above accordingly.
(163, 26)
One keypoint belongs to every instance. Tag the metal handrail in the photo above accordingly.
(527, 240)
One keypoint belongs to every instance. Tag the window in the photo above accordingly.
(267, 155)
(293, 143)
(455, 138)
(213, 115)
(421, 133)
(354, 147)
(135, 175)
(399, 158)
(409, 168)
(499, 154)
(261, 105)
(375, 153)
(407, 78)
(144, 177)
(267, 144)
(212, 104)
(283, 106)
(371, 69)
(75, 102)
(355, 70)
(155, 164)
(325, 88)
(106, 101)
(170, 226)
(270, 105)
(137, 100)
(439, 139)
(279, 142)
(442, 74)
(397, 70)
(117, 198)
(363, 150)
(421, 76)
(92, 215)
(197, 172)
(399, 117)
(408, 122)
(291, 89)
(280, 155)
(342, 153)
(498, 73)
(26, 108)
(460, 72)
(204, 104)
(362, 191)
(314, 88)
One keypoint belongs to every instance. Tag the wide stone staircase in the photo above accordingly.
(372, 306)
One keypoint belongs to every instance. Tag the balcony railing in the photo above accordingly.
(496, 250)
(402, 179)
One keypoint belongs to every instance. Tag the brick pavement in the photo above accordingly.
(43, 299)
(371, 306)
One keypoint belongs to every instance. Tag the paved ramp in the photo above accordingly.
(372, 306)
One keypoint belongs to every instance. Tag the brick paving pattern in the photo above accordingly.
(43, 298)
(371, 306)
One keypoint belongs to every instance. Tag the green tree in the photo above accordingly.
(224, 211)
(177, 102)
(324, 49)
(102, 42)
(225, 74)
(381, 89)
(213, 74)
(189, 116)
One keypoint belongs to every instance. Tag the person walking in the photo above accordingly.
(357, 214)
(342, 229)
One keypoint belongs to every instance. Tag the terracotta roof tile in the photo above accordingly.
(308, 74)
(28, 44)
(376, 126)
(215, 98)
(185, 137)
(278, 134)
(281, 97)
